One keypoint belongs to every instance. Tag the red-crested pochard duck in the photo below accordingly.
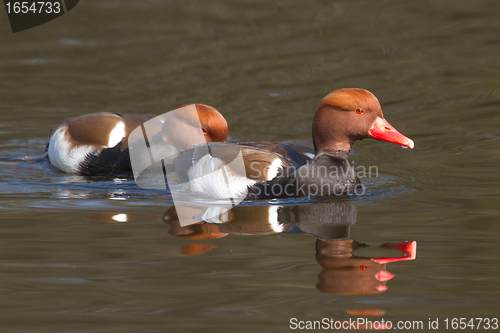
(97, 144)
(285, 170)
(342, 117)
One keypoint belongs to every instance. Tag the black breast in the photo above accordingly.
(109, 161)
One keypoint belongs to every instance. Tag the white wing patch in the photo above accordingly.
(117, 134)
(274, 168)
(311, 156)
(63, 154)
(207, 177)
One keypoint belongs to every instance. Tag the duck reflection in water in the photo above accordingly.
(342, 271)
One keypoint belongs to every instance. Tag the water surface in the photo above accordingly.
(264, 65)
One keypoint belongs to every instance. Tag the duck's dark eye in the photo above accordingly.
(204, 131)
(359, 111)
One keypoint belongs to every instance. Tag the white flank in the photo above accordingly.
(63, 155)
(117, 134)
(207, 177)
(274, 168)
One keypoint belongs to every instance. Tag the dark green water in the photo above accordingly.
(435, 68)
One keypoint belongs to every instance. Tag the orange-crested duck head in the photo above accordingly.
(194, 124)
(346, 115)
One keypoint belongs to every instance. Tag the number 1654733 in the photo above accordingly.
(34, 7)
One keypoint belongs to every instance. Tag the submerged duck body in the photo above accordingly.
(97, 144)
